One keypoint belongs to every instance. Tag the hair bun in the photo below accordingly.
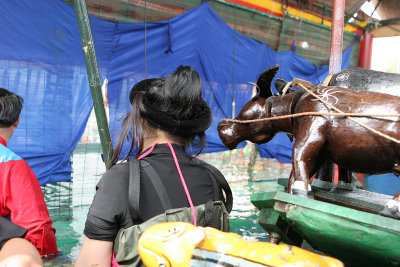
(176, 104)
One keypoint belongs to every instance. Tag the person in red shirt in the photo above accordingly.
(21, 198)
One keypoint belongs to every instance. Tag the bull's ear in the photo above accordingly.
(280, 84)
(265, 80)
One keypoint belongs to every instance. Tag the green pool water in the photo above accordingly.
(68, 202)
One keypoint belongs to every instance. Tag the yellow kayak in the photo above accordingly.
(183, 244)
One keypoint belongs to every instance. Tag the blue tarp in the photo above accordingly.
(388, 184)
(41, 59)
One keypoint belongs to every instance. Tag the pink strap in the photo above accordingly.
(184, 184)
(114, 263)
(147, 152)
(180, 175)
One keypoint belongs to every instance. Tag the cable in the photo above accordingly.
(234, 63)
(145, 39)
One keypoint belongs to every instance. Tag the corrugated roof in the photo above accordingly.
(388, 11)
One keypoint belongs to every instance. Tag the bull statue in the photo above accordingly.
(355, 79)
(344, 140)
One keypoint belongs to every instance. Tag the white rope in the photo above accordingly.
(307, 86)
(356, 121)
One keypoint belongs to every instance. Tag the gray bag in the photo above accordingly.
(213, 213)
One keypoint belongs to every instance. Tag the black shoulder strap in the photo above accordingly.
(134, 188)
(157, 184)
(215, 188)
(208, 213)
(222, 182)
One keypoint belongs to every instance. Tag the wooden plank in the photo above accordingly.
(357, 238)
(358, 199)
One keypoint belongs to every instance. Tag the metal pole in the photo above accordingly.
(335, 64)
(234, 65)
(93, 77)
(335, 61)
(364, 60)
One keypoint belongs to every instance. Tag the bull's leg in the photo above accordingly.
(323, 177)
(345, 179)
(392, 207)
(304, 158)
(290, 182)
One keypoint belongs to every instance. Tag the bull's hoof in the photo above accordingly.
(345, 186)
(391, 210)
(321, 184)
(303, 193)
(299, 189)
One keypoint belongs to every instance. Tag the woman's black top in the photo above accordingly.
(9, 230)
(110, 211)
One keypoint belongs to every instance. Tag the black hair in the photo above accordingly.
(141, 86)
(10, 108)
(179, 98)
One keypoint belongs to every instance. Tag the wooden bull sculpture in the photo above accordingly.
(355, 79)
(323, 137)
(367, 80)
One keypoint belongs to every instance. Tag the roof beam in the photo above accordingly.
(356, 7)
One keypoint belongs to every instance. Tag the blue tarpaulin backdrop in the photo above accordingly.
(41, 59)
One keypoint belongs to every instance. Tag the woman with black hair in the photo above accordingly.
(162, 182)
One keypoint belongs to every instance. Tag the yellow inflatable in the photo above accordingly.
(183, 244)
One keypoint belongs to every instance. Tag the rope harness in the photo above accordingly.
(307, 86)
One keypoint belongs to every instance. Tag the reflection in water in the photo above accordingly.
(68, 202)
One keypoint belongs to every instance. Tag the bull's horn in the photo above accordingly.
(280, 85)
(265, 80)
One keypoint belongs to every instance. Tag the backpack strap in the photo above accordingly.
(134, 188)
(221, 181)
(215, 188)
(209, 207)
(157, 184)
(208, 213)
